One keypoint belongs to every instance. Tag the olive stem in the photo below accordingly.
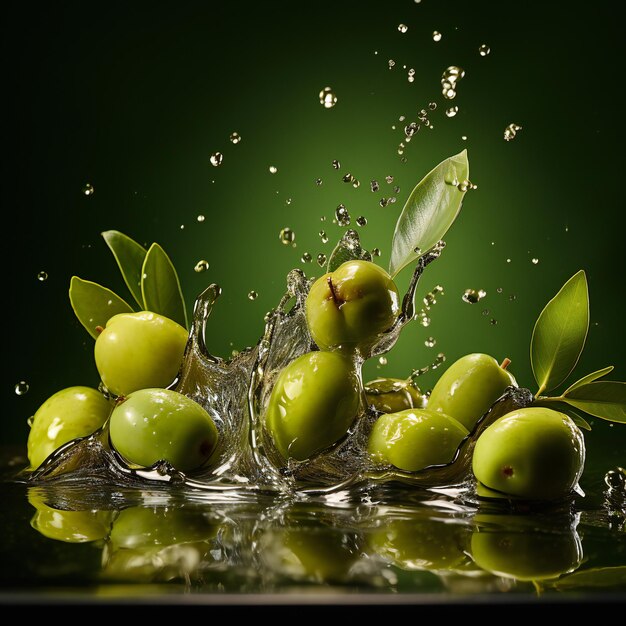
(505, 363)
(329, 280)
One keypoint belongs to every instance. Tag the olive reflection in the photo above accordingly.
(68, 526)
(524, 547)
(421, 543)
(157, 544)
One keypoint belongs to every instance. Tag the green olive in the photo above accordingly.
(390, 395)
(534, 453)
(469, 387)
(313, 403)
(68, 414)
(157, 424)
(138, 351)
(414, 439)
(349, 308)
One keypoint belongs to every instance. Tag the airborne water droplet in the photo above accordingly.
(216, 159)
(306, 257)
(235, 138)
(375, 252)
(200, 218)
(321, 259)
(21, 388)
(286, 236)
(273, 169)
(361, 220)
(484, 50)
(437, 35)
(374, 186)
(452, 111)
(201, 266)
(472, 296)
(382, 360)
(402, 28)
(430, 342)
(389, 179)
(323, 236)
(534, 261)
(449, 79)
(318, 181)
(391, 63)
(252, 295)
(327, 98)
(88, 190)
(42, 276)
(493, 321)
(342, 216)
(511, 131)
(336, 164)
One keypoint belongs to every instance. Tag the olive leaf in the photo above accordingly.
(130, 257)
(589, 378)
(94, 305)
(596, 577)
(429, 211)
(348, 249)
(604, 399)
(560, 333)
(160, 287)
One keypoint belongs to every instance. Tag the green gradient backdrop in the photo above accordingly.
(134, 97)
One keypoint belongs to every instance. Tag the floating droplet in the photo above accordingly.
(348, 178)
(306, 257)
(342, 216)
(182, 227)
(486, 311)
(201, 266)
(499, 290)
(508, 260)
(424, 320)
(286, 236)
(472, 296)
(403, 28)
(392, 200)
(512, 297)
(375, 252)
(216, 159)
(327, 98)
(493, 321)
(432, 106)
(21, 388)
(452, 111)
(410, 130)
(464, 137)
(374, 186)
(323, 218)
(356, 183)
(382, 360)
(437, 35)
(361, 220)
(323, 236)
(318, 181)
(252, 295)
(42, 276)
(200, 218)
(88, 190)
(430, 342)
(391, 63)
(510, 131)
(449, 79)
(336, 164)
(288, 201)
(534, 261)
(321, 259)
(484, 50)
(273, 169)
(383, 202)
(389, 179)
(235, 138)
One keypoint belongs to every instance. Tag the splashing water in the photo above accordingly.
(449, 79)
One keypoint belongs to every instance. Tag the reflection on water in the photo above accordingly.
(383, 539)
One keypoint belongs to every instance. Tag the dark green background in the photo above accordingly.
(134, 97)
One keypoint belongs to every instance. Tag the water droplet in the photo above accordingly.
(323, 236)
(216, 159)
(430, 342)
(306, 257)
(348, 178)
(534, 261)
(382, 360)
(464, 137)
(493, 321)
(512, 297)
(437, 35)
(318, 181)
(486, 311)
(499, 290)
(508, 260)
(235, 138)
(449, 79)
(484, 50)
(392, 200)
(374, 186)
(391, 63)
(510, 131)
(389, 179)
(342, 216)
(403, 28)
(336, 164)
(383, 202)
(424, 320)
(88, 190)
(288, 201)
(432, 106)
(201, 266)
(472, 296)
(182, 227)
(323, 218)
(42, 276)
(452, 111)
(361, 220)
(200, 218)
(410, 130)
(21, 388)
(327, 98)
(252, 295)
(375, 252)
(321, 259)
(286, 236)
(273, 169)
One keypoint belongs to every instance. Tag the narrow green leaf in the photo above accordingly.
(429, 212)
(604, 399)
(130, 257)
(605, 577)
(160, 288)
(589, 378)
(560, 333)
(94, 305)
(348, 249)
